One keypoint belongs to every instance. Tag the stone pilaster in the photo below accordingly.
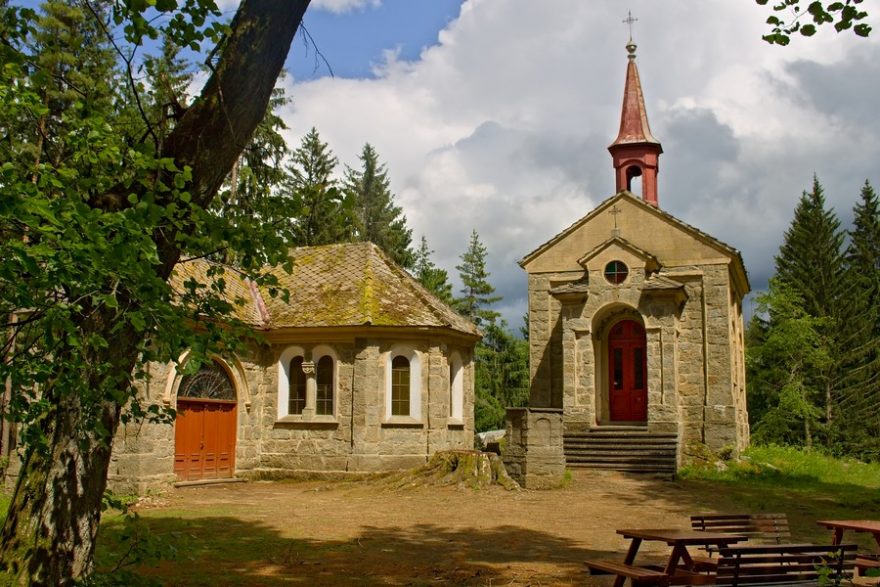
(533, 454)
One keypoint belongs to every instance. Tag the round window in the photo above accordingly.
(616, 272)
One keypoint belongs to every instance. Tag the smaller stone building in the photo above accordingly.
(363, 370)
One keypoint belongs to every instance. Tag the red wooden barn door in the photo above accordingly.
(204, 436)
(627, 372)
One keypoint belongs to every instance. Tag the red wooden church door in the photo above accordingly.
(627, 372)
(204, 436)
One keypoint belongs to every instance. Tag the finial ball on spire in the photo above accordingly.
(630, 47)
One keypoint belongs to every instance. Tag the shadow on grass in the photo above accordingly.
(229, 551)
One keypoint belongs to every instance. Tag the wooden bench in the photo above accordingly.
(866, 562)
(760, 528)
(641, 576)
(785, 564)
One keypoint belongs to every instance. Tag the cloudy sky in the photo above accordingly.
(495, 115)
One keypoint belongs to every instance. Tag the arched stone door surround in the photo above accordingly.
(206, 424)
(619, 339)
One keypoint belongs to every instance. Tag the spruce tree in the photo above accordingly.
(860, 332)
(433, 278)
(810, 265)
(320, 213)
(476, 289)
(377, 218)
(810, 260)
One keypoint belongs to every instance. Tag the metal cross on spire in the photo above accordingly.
(629, 20)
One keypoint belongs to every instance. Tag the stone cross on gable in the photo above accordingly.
(615, 210)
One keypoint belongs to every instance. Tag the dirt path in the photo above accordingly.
(318, 533)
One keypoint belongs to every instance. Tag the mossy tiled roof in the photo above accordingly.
(352, 284)
(239, 292)
(356, 284)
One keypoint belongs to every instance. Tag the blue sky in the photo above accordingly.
(354, 41)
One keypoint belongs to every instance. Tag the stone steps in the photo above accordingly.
(622, 448)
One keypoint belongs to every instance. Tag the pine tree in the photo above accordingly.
(476, 289)
(433, 278)
(377, 219)
(321, 215)
(810, 261)
(810, 264)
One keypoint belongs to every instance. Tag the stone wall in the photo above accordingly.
(357, 439)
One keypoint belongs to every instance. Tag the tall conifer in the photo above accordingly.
(860, 332)
(434, 279)
(377, 218)
(321, 215)
(476, 289)
(810, 265)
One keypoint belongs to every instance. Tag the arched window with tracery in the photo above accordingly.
(211, 381)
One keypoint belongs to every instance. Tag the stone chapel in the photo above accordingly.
(635, 331)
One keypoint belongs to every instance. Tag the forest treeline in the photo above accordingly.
(813, 346)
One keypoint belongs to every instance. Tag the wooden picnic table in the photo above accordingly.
(679, 558)
(869, 526)
(864, 562)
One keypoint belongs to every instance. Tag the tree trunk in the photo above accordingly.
(50, 531)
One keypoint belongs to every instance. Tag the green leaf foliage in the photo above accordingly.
(842, 15)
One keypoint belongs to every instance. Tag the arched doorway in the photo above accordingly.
(627, 373)
(204, 434)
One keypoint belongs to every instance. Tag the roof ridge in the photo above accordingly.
(369, 290)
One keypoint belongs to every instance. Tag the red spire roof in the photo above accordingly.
(635, 153)
(633, 118)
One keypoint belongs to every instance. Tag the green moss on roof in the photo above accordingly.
(352, 285)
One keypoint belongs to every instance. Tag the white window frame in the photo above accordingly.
(456, 388)
(284, 360)
(415, 382)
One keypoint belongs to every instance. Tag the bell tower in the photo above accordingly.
(635, 153)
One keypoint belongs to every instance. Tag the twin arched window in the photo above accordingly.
(296, 377)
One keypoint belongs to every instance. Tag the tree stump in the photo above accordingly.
(463, 468)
